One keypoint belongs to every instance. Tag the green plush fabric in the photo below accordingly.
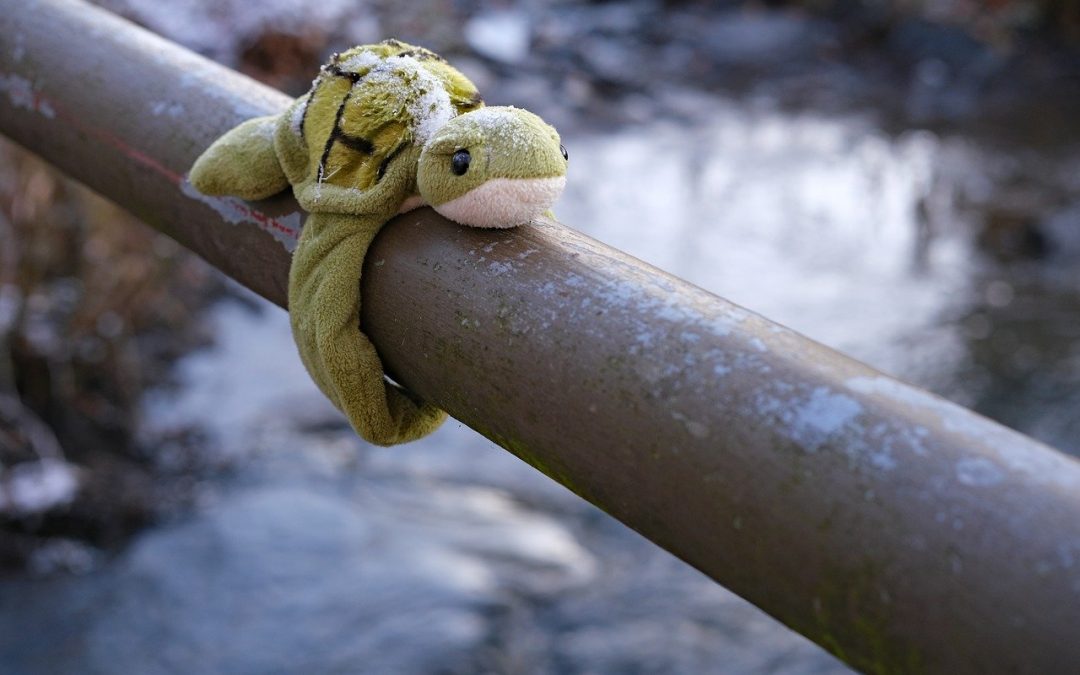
(340, 358)
(483, 133)
(376, 118)
(250, 146)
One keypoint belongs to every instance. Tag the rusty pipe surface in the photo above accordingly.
(899, 531)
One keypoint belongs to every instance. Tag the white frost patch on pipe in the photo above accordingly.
(978, 472)
(1014, 451)
(285, 229)
(500, 268)
(812, 421)
(826, 412)
(171, 109)
(20, 91)
(645, 304)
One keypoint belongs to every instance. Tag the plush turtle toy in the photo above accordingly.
(385, 128)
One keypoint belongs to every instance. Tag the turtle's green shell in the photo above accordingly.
(367, 105)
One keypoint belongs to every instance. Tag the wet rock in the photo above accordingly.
(1062, 228)
(1010, 235)
(284, 60)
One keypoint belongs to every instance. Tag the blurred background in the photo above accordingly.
(895, 178)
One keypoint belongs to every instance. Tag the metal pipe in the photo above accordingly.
(899, 531)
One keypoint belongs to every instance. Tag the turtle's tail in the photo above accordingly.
(324, 310)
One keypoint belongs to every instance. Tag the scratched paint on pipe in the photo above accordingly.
(284, 229)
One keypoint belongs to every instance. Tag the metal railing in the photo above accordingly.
(899, 531)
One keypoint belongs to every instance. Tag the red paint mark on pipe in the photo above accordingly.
(22, 94)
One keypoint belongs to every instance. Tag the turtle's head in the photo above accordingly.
(493, 167)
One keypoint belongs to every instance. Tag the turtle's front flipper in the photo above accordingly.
(324, 306)
(242, 163)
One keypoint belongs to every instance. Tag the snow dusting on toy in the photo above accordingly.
(384, 129)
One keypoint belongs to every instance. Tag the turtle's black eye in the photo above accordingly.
(565, 154)
(459, 163)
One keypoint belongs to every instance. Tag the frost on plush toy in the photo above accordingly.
(385, 128)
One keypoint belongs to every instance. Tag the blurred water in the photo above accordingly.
(809, 221)
(325, 555)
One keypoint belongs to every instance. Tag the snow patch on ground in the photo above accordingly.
(36, 487)
(501, 35)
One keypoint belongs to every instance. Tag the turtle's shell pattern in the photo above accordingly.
(370, 103)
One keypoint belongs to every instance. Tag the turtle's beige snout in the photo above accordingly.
(504, 202)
